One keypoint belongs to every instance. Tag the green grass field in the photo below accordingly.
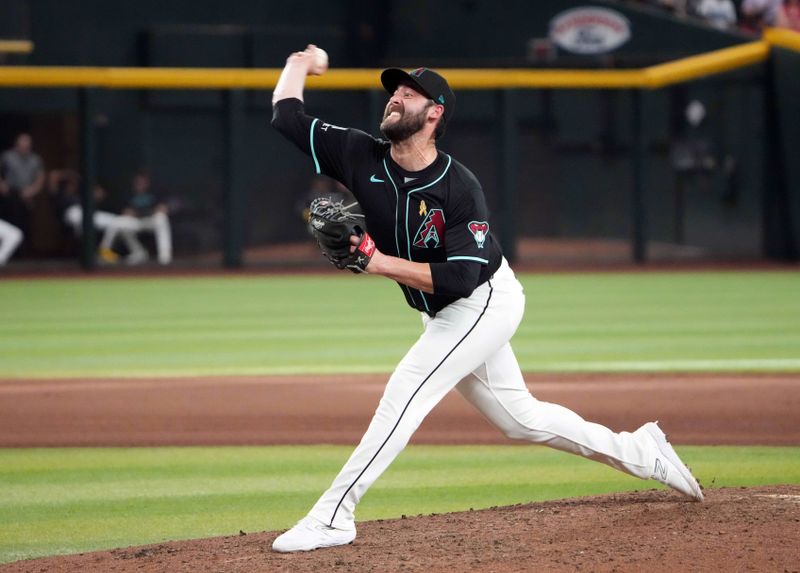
(70, 500)
(278, 325)
(56, 501)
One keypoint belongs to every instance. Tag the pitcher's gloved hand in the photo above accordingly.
(332, 225)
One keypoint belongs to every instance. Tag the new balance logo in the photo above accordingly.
(374, 179)
(660, 470)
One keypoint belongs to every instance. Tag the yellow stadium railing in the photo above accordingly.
(16, 46)
(653, 77)
(783, 38)
(705, 65)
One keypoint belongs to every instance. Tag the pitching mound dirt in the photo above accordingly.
(754, 529)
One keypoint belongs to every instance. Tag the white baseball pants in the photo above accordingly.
(127, 228)
(111, 225)
(10, 238)
(466, 346)
(158, 224)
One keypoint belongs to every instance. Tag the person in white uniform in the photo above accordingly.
(10, 238)
(427, 215)
(63, 186)
(152, 214)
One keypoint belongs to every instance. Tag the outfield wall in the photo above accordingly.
(574, 147)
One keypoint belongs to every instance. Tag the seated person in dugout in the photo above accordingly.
(64, 187)
(152, 214)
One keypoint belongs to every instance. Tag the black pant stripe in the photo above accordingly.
(391, 433)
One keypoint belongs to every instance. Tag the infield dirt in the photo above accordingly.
(693, 409)
(754, 529)
(751, 529)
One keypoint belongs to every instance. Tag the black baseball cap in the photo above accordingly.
(424, 81)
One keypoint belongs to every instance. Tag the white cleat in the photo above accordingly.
(668, 468)
(309, 534)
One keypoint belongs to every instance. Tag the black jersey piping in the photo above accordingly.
(400, 417)
(396, 205)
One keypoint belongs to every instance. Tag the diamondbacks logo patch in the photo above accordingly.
(479, 230)
(431, 231)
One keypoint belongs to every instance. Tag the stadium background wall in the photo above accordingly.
(574, 173)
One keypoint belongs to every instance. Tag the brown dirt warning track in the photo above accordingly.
(754, 529)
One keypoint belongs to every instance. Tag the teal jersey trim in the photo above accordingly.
(476, 259)
(313, 152)
(408, 200)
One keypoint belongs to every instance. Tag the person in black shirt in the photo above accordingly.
(427, 215)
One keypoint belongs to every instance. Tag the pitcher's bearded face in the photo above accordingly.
(400, 122)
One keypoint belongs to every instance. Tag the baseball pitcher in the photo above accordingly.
(426, 227)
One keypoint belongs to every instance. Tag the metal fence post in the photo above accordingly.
(376, 102)
(86, 97)
(507, 162)
(638, 216)
(234, 221)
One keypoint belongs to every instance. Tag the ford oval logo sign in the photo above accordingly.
(589, 30)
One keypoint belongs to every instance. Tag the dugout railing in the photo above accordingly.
(235, 82)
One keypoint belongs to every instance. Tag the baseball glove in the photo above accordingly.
(332, 224)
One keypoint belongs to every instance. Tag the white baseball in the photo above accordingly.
(320, 60)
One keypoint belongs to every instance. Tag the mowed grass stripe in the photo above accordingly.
(78, 499)
(173, 338)
(774, 365)
(156, 327)
(342, 323)
(657, 336)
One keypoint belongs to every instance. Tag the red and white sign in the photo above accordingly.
(589, 31)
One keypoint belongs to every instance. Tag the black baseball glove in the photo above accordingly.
(332, 224)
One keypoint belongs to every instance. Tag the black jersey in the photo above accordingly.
(437, 215)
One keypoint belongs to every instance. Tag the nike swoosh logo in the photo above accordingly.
(374, 179)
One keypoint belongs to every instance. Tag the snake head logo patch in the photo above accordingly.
(479, 230)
